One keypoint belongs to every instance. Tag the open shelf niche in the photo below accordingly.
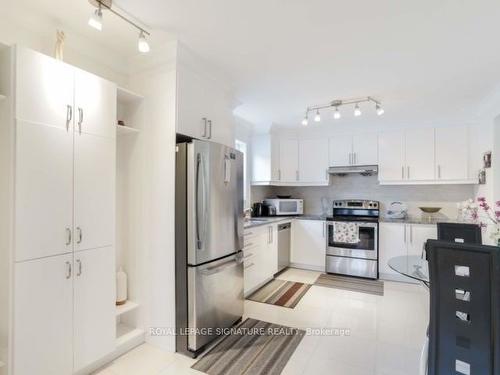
(130, 330)
(128, 106)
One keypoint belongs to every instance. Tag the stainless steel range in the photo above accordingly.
(352, 245)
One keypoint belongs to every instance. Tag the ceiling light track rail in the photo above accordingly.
(103, 4)
(335, 104)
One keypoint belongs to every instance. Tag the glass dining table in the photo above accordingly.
(417, 268)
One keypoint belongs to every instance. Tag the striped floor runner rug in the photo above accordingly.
(351, 283)
(280, 293)
(253, 348)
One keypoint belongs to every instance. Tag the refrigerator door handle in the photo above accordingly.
(213, 270)
(200, 215)
(227, 170)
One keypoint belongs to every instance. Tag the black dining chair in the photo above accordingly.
(459, 232)
(464, 330)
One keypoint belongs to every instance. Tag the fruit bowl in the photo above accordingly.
(430, 210)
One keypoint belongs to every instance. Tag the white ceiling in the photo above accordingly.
(429, 61)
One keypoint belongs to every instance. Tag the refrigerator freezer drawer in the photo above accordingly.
(352, 267)
(215, 298)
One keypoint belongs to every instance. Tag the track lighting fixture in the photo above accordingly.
(317, 118)
(335, 104)
(357, 110)
(95, 21)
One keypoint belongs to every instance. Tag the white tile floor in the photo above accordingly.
(386, 333)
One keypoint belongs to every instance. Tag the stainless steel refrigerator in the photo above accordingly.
(209, 242)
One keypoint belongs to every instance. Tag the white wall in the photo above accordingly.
(156, 80)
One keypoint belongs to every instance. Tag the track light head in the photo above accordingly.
(317, 118)
(357, 110)
(337, 114)
(380, 111)
(143, 44)
(305, 121)
(95, 19)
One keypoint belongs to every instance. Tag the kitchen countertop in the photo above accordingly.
(276, 219)
(422, 220)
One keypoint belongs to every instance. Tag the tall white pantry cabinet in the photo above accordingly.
(58, 205)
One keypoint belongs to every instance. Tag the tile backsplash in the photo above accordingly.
(367, 187)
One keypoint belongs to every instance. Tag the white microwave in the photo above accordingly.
(287, 206)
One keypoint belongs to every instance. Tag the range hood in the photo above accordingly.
(365, 170)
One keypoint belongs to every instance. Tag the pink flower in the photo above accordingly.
(497, 203)
(497, 214)
(481, 199)
(474, 215)
(486, 207)
(483, 225)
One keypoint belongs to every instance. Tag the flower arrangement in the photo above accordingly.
(492, 215)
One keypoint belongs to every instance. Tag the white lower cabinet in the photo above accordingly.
(94, 306)
(64, 312)
(260, 256)
(308, 244)
(400, 239)
(43, 311)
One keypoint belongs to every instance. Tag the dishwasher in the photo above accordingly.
(284, 232)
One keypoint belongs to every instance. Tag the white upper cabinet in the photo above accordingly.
(203, 108)
(94, 306)
(43, 191)
(94, 191)
(419, 154)
(313, 161)
(357, 149)
(95, 105)
(452, 153)
(365, 149)
(265, 159)
(425, 156)
(391, 156)
(340, 150)
(44, 89)
(289, 160)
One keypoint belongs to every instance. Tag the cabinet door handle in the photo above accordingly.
(404, 231)
(297, 175)
(68, 270)
(279, 174)
(350, 158)
(411, 234)
(80, 235)
(80, 119)
(209, 129)
(79, 272)
(204, 133)
(68, 236)
(69, 116)
(439, 171)
(355, 158)
(324, 230)
(408, 172)
(402, 172)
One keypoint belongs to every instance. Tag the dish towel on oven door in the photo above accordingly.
(345, 232)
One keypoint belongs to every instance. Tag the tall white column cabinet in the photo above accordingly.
(58, 129)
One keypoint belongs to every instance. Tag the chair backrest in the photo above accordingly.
(458, 232)
(464, 331)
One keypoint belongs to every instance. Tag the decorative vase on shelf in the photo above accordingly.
(121, 287)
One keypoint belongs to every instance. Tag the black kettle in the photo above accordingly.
(258, 209)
